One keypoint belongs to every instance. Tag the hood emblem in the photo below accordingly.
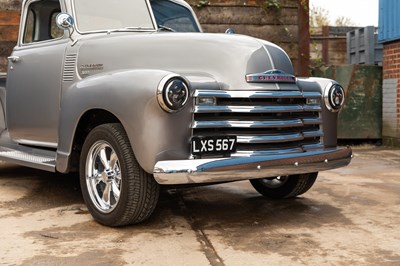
(271, 76)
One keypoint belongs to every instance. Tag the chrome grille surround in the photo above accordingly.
(265, 122)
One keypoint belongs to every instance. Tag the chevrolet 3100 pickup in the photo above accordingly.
(133, 95)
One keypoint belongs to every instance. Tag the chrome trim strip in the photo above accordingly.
(36, 143)
(312, 108)
(271, 76)
(272, 62)
(312, 121)
(253, 167)
(256, 94)
(269, 139)
(269, 56)
(311, 134)
(248, 124)
(200, 109)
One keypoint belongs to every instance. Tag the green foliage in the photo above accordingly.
(272, 5)
(304, 5)
(202, 3)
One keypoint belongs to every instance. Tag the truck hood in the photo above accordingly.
(227, 58)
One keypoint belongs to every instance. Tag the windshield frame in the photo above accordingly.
(127, 29)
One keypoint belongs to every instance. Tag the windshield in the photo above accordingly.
(173, 16)
(102, 15)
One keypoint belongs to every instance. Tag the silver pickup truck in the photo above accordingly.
(133, 96)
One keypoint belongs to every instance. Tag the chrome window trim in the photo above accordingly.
(24, 15)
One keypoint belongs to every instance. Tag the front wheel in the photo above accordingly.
(116, 190)
(288, 186)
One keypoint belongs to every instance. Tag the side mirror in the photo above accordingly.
(229, 31)
(64, 21)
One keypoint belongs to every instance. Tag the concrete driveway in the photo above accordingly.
(350, 217)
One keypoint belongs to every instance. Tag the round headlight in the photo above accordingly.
(173, 93)
(334, 97)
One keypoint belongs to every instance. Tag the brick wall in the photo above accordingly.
(391, 93)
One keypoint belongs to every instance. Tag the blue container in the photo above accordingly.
(389, 20)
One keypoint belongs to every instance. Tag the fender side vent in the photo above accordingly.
(69, 67)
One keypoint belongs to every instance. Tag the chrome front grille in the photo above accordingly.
(265, 122)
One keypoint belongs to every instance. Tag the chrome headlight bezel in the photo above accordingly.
(334, 97)
(166, 87)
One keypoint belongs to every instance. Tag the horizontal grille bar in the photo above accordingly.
(270, 138)
(257, 139)
(248, 124)
(257, 94)
(256, 109)
(312, 121)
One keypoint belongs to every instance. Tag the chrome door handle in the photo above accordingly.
(14, 58)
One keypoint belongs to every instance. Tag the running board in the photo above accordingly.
(34, 158)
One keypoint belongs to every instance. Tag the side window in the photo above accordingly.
(29, 27)
(40, 22)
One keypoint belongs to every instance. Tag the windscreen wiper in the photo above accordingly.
(162, 27)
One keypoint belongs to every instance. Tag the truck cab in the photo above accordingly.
(135, 96)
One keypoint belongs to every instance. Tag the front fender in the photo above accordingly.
(130, 95)
(329, 118)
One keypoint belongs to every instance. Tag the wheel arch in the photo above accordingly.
(89, 120)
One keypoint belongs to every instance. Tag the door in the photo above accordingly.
(34, 79)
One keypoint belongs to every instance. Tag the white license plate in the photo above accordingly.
(214, 145)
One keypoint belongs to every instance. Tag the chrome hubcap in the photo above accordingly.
(103, 176)
(274, 182)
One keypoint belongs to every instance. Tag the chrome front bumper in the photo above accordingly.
(243, 168)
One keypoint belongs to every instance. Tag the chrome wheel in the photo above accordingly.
(103, 176)
(116, 190)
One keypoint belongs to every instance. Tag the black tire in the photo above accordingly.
(124, 193)
(284, 186)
